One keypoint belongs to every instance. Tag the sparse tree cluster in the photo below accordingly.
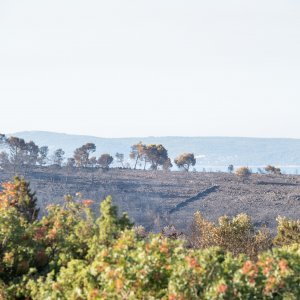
(18, 153)
(155, 155)
(82, 158)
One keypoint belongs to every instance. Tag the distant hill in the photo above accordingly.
(212, 152)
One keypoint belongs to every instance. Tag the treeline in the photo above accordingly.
(71, 254)
(27, 154)
(21, 154)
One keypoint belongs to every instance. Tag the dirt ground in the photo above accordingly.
(156, 199)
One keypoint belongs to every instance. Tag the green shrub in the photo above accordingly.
(70, 254)
(160, 268)
(18, 194)
(236, 235)
(288, 232)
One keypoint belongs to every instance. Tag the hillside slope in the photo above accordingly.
(156, 199)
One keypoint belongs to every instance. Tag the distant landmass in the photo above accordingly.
(213, 153)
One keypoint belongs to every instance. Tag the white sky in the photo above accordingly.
(158, 67)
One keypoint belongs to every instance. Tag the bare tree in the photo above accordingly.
(137, 152)
(43, 155)
(120, 158)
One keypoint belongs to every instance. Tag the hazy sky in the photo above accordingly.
(151, 68)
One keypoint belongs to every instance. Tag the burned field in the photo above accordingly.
(155, 199)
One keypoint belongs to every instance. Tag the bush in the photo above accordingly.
(18, 194)
(70, 254)
(236, 235)
(288, 232)
(243, 172)
(160, 268)
(32, 248)
(272, 170)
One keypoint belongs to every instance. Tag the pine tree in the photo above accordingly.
(18, 194)
(109, 223)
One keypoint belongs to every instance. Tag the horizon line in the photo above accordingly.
(150, 136)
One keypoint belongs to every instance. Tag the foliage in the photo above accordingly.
(20, 152)
(288, 232)
(185, 160)
(243, 172)
(30, 154)
(18, 194)
(137, 153)
(109, 224)
(71, 254)
(81, 154)
(155, 154)
(58, 157)
(70, 163)
(230, 168)
(236, 235)
(16, 147)
(32, 248)
(105, 160)
(167, 164)
(43, 153)
(272, 170)
(160, 268)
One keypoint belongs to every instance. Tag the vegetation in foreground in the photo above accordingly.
(70, 254)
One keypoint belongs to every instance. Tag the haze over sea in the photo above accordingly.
(213, 153)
